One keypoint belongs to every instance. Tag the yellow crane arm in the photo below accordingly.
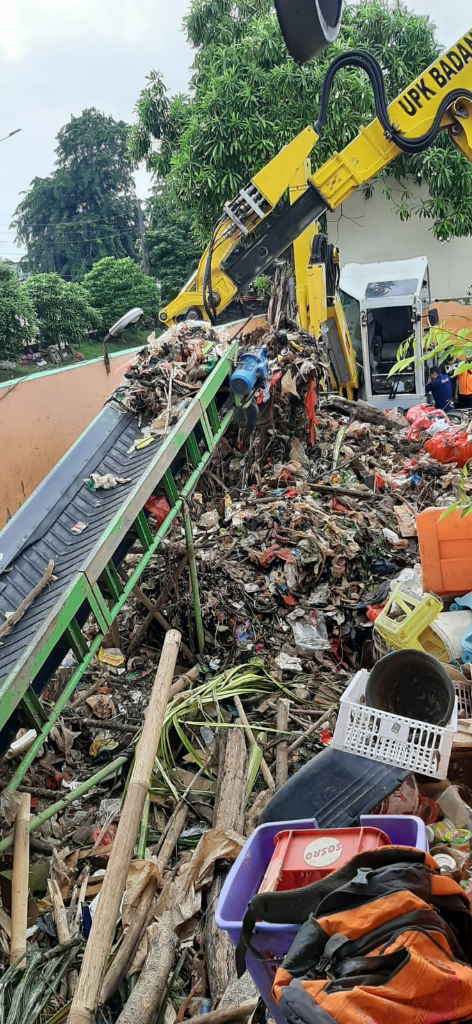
(439, 98)
(251, 206)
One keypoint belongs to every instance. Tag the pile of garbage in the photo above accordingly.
(166, 375)
(305, 537)
(303, 522)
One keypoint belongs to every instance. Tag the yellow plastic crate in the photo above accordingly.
(409, 626)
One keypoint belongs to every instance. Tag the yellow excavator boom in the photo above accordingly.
(440, 99)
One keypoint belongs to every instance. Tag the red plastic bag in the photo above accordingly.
(425, 416)
(415, 411)
(373, 611)
(451, 447)
(107, 837)
(159, 508)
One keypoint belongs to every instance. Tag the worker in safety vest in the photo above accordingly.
(463, 393)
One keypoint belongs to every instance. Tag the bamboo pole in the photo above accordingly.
(231, 1013)
(228, 813)
(150, 987)
(59, 912)
(62, 928)
(104, 923)
(124, 956)
(281, 752)
(197, 607)
(19, 881)
(185, 682)
(144, 827)
(170, 836)
(144, 912)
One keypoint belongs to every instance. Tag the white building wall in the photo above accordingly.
(367, 230)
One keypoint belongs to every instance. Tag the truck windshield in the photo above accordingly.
(391, 289)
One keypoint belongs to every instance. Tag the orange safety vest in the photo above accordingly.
(465, 382)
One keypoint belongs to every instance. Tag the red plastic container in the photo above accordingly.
(301, 858)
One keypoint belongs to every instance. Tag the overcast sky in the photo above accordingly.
(59, 56)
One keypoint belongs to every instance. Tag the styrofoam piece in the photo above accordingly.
(392, 739)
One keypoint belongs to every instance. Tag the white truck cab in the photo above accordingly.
(385, 305)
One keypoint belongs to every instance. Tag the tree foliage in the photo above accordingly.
(17, 319)
(62, 309)
(115, 286)
(158, 118)
(249, 98)
(85, 209)
(173, 250)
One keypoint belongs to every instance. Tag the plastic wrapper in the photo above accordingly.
(404, 800)
(450, 448)
(309, 631)
(438, 426)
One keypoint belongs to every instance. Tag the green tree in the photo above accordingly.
(17, 319)
(62, 309)
(115, 286)
(173, 249)
(85, 209)
(250, 98)
(160, 118)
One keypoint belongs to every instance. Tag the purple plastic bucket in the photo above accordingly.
(401, 829)
(244, 880)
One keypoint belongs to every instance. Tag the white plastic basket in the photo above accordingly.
(391, 739)
(464, 698)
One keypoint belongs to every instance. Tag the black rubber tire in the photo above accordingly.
(308, 26)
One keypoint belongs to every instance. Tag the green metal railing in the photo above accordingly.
(98, 583)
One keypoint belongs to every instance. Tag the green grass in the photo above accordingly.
(89, 350)
(129, 339)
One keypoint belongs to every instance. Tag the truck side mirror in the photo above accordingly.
(433, 317)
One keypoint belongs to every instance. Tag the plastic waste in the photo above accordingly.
(107, 837)
(287, 663)
(422, 417)
(438, 426)
(450, 448)
(102, 742)
(452, 806)
(243, 635)
(309, 630)
(159, 508)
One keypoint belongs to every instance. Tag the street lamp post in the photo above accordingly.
(131, 317)
(15, 132)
